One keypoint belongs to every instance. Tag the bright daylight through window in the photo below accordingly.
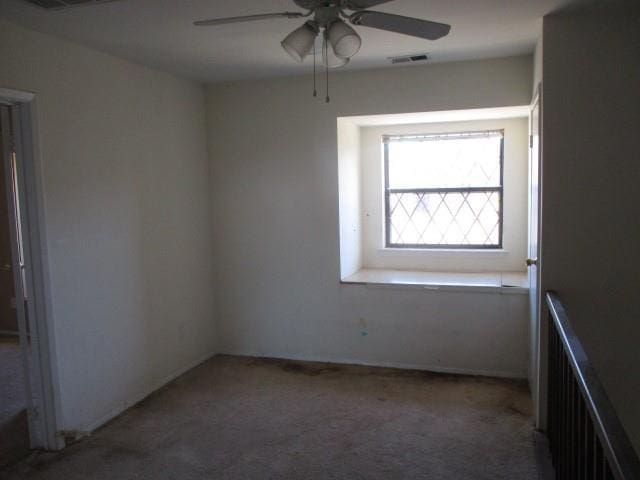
(444, 190)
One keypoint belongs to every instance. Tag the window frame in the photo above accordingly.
(386, 139)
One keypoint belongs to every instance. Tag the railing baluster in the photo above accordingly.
(559, 388)
(580, 434)
(563, 420)
(586, 438)
(584, 441)
(556, 407)
(575, 437)
(589, 441)
(572, 435)
(554, 395)
(569, 430)
(599, 459)
(569, 400)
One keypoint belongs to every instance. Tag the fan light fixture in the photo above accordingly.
(344, 39)
(300, 42)
(329, 56)
(340, 43)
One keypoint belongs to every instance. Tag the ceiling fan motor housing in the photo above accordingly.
(326, 15)
(313, 4)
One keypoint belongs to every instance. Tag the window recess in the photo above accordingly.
(444, 191)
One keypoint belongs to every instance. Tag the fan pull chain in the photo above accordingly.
(315, 92)
(326, 50)
(327, 100)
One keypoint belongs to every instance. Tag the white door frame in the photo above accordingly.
(39, 363)
(539, 359)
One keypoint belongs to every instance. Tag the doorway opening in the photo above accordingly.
(14, 427)
(27, 400)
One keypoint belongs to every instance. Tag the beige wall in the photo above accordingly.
(274, 160)
(125, 179)
(591, 208)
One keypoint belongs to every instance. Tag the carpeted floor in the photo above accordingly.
(14, 433)
(243, 418)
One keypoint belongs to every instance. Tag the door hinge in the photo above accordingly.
(530, 141)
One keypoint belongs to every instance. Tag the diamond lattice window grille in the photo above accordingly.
(444, 191)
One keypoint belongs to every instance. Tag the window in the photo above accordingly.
(444, 190)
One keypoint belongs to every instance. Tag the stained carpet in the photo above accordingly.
(244, 418)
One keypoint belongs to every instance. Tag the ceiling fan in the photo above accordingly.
(340, 41)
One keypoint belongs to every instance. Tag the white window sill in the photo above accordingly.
(455, 251)
(501, 282)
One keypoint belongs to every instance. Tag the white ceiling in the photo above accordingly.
(159, 33)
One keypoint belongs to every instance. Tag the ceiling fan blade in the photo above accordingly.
(400, 24)
(247, 18)
(362, 4)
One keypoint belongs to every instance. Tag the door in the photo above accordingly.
(14, 202)
(533, 251)
(8, 318)
(28, 254)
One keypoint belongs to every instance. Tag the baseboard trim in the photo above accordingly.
(399, 365)
(88, 429)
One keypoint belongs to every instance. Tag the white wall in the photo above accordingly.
(537, 64)
(273, 150)
(509, 259)
(349, 171)
(126, 196)
(590, 232)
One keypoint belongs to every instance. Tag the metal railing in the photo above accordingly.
(586, 438)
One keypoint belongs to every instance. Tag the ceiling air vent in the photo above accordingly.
(418, 57)
(60, 4)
